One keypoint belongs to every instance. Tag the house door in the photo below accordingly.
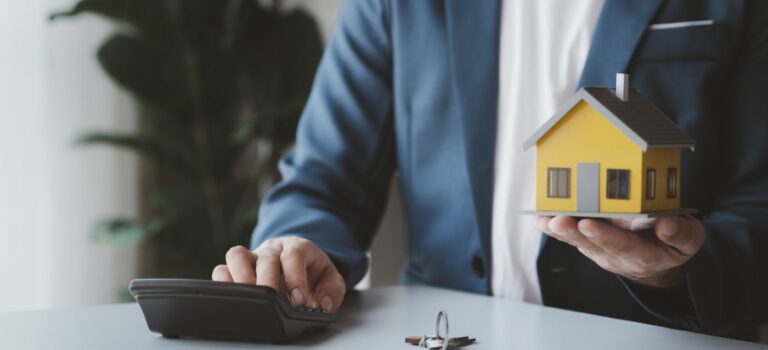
(587, 187)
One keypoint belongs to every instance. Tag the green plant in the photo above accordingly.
(220, 85)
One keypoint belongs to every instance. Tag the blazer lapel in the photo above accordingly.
(621, 25)
(473, 34)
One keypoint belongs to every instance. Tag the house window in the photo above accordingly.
(672, 183)
(558, 182)
(650, 184)
(618, 184)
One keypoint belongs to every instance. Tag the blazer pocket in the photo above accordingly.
(692, 40)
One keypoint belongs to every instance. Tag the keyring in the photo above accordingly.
(440, 316)
(445, 341)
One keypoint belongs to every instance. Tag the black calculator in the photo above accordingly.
(219, 310)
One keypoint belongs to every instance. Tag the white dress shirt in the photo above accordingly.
(543, 48)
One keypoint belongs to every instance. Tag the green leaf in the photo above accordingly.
(221, 85)
(124, 296)
(280, 56)
(270, 121)
(152, 72)
(163, 153)
(149, 16)
(125, 232)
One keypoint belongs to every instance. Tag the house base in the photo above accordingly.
(581, 214)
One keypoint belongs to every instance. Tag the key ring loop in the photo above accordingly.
(440, 316)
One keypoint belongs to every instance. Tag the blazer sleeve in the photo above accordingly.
(335, 181)
(723, 278)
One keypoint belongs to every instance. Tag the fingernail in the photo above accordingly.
(297, 297)
(327, 303)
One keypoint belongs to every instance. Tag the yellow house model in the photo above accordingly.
(609, 153)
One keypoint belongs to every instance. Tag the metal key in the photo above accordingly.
(436, 341)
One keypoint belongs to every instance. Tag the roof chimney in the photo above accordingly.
(622, 86)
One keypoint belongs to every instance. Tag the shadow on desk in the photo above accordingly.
(348, 320)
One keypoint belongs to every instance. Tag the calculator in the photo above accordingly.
(220, 310)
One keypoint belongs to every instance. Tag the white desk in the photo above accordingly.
(376, 319)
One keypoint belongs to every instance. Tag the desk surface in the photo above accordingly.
(379, 318)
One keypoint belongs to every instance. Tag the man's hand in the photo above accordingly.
(648, 252)
(293, 266)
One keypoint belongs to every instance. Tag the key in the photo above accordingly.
(421, 340)
(460, 341)
(437, 343)
(434, 342)
(414, 339)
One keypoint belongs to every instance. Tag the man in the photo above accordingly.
(445, 92)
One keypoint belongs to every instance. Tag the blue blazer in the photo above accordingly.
(410, 87)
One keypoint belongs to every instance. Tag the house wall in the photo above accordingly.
(661, 159)
(584, 135)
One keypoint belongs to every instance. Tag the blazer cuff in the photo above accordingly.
(351, 264)
(352, 273)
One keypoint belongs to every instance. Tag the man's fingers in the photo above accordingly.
(329, 291)
(565, 228)
(240, 263)
(295, 259)
(542, 224)
(617, 247)
(682, 233)
(612, 239)
(268, 271)
(292, 266)
(221, 274)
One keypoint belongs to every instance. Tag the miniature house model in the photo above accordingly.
(609, 153)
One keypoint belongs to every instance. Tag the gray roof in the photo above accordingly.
(637, 118)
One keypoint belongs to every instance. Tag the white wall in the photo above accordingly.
(52, 192)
